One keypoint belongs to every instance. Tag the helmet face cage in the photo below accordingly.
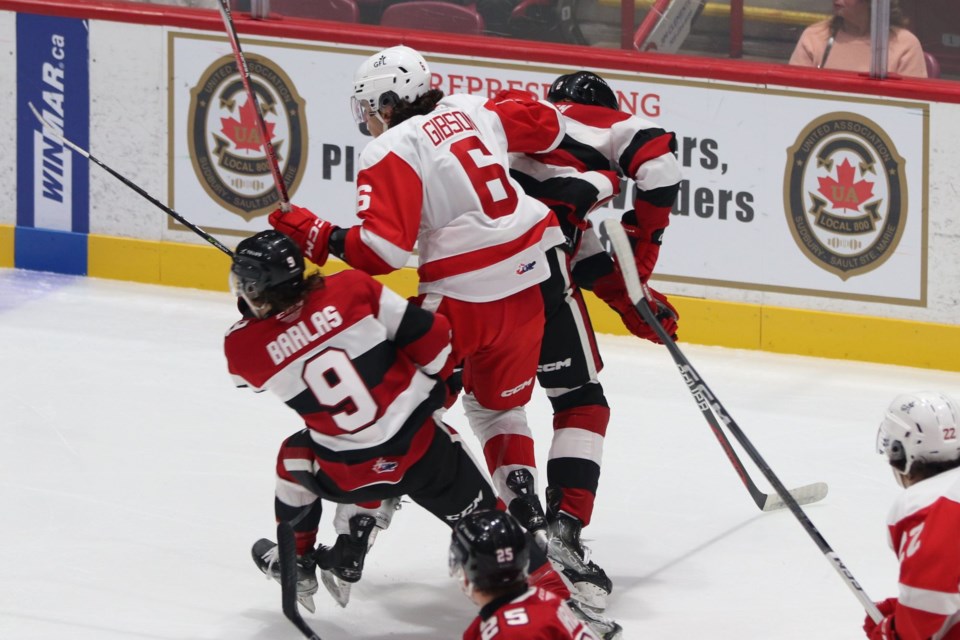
(583, 87)
(920, 427)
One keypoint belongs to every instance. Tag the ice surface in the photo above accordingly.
(134, 478)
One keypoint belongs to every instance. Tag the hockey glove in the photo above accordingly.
(611, 289)
(312, 234)
(645, 243)
(884, 629)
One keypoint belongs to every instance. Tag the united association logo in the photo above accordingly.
(227, 150)
(845, 194)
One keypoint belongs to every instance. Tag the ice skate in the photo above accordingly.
(267, 556)
(342, 564)
(605, 628)
(591, 586)
(526, 507)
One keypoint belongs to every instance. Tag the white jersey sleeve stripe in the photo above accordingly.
(437, 363)
(658, 172)
(392, 308)
(390, 253)
(937, 602)
(291, 493)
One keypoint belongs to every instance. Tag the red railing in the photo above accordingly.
(502, 48)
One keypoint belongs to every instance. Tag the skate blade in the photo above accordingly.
(606, 628)
(590, 596)
(307, 603)
(337, 588)
(586, 593)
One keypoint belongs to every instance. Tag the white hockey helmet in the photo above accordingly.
(388, 77)
(920, 427)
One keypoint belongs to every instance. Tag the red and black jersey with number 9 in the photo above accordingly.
(361, 365)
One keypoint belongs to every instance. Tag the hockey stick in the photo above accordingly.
(244, 71)
(615, 241)
(287, 550)
(710, 407)
(53, 131)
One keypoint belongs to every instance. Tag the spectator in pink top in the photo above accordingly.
(843, 42)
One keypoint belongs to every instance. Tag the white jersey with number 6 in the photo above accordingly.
(441, 181)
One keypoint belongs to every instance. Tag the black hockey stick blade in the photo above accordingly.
(56, 133)
(615, 241)
(287, 550)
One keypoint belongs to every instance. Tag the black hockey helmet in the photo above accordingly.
(491, 548)
(266, 263)
(583, 87)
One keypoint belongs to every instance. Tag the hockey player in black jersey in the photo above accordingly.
(603, 146)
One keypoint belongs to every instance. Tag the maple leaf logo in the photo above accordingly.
(245, 134)
(843, 192)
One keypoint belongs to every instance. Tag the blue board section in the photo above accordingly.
(53, 73)
(46, 250)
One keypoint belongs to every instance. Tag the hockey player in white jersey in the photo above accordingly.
(920, 438)
(436, 175)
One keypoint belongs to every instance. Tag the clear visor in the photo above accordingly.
(237, 289)
(455, 559)
(890, 448)
(361, 110)
(883, 441)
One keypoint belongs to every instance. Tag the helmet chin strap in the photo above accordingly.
(900, 477)
(372, 114)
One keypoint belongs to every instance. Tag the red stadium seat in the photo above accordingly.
(336, 10)
(433, 15)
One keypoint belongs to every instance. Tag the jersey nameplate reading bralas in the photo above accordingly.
(300, 334)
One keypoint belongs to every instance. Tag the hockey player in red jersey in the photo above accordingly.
(919, 438)
(436, 175)
(365, 370)
(488, 557)
(602, 145)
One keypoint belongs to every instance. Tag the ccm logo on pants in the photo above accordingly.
(517, 389)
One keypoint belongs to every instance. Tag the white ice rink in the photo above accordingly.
(134, 478)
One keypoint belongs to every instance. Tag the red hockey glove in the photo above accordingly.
(884, 630)
(312, 234)
(645, 243)
(611, 289)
